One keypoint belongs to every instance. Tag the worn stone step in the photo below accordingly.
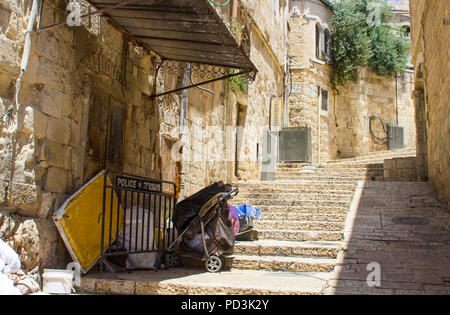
(328, 217)
(326, 178)
(350, 162)
(332, 169)
(285, 210)
(288, 248)
(304, 191)
(293, 187)
(299, 225)
(279, 263)
(295, 202)
(281, 184)
(299, 235)
(196, 281)
(337, 180)
(298, 195)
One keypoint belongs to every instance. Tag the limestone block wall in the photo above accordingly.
(44, 149)
(379, 96)
(213, 118)
(400, 169)
(343, 130)
(430, 29)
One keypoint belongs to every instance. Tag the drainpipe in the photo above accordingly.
(23, 68)
(235, 9)
(286, 75)
(183, 120)
(26, 47)
(396, 97)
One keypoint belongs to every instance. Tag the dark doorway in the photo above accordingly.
(104, 148)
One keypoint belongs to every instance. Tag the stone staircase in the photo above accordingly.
(302, 241)
(304, 213)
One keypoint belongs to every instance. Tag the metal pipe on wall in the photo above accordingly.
(183, 125)
(235, 9)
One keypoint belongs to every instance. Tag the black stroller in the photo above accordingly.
(204, 227)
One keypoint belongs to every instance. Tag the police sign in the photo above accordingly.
(138, 184)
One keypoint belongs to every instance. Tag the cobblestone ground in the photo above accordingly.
(403, 228)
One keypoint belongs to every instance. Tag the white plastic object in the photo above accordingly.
(56, 281)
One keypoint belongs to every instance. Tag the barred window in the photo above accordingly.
(324, 100)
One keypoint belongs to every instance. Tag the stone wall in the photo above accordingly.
(75, 77)
(342, 130)
(213, 118)
(430, 27)
(86, 93)
(400, 169)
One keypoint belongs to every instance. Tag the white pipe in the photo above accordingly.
(26, 47)
(183, 127)
(286, 75)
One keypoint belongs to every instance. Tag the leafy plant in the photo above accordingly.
(238, 82)
(363, 38)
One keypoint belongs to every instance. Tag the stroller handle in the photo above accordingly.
(231, 194)
(216, 199)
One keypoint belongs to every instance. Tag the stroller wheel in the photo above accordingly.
(173, 260)
(214, 264)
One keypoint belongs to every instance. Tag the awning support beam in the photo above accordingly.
(202, 83)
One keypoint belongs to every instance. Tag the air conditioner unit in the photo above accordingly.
(396, 136)
(295, 145)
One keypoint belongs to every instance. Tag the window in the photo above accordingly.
(318, 41)
(327, 45)
(324, 100)
(323, 43)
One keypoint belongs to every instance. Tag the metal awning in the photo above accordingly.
(182, 31)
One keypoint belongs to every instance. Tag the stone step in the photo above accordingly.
(288, 186)
(335, 165)
(292, 216)
(383, 153)
(321, 179)
(279, 263)
(299, 235)
(331, 168)
(341, 178)
(196, 281)
(286, 210)
(299, 225)
(330, 172)
(288, 248)
(334, 173)
(375, 160)
(299, 195)
(269, 191)
(295, 202)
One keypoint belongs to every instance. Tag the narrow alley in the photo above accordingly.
(224, 147)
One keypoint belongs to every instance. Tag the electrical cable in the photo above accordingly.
(375, 138)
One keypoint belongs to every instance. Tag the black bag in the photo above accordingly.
(219, 230)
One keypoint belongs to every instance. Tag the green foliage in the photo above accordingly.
(357, 45)
(238, 82)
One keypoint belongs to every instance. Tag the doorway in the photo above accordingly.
(104, 148)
